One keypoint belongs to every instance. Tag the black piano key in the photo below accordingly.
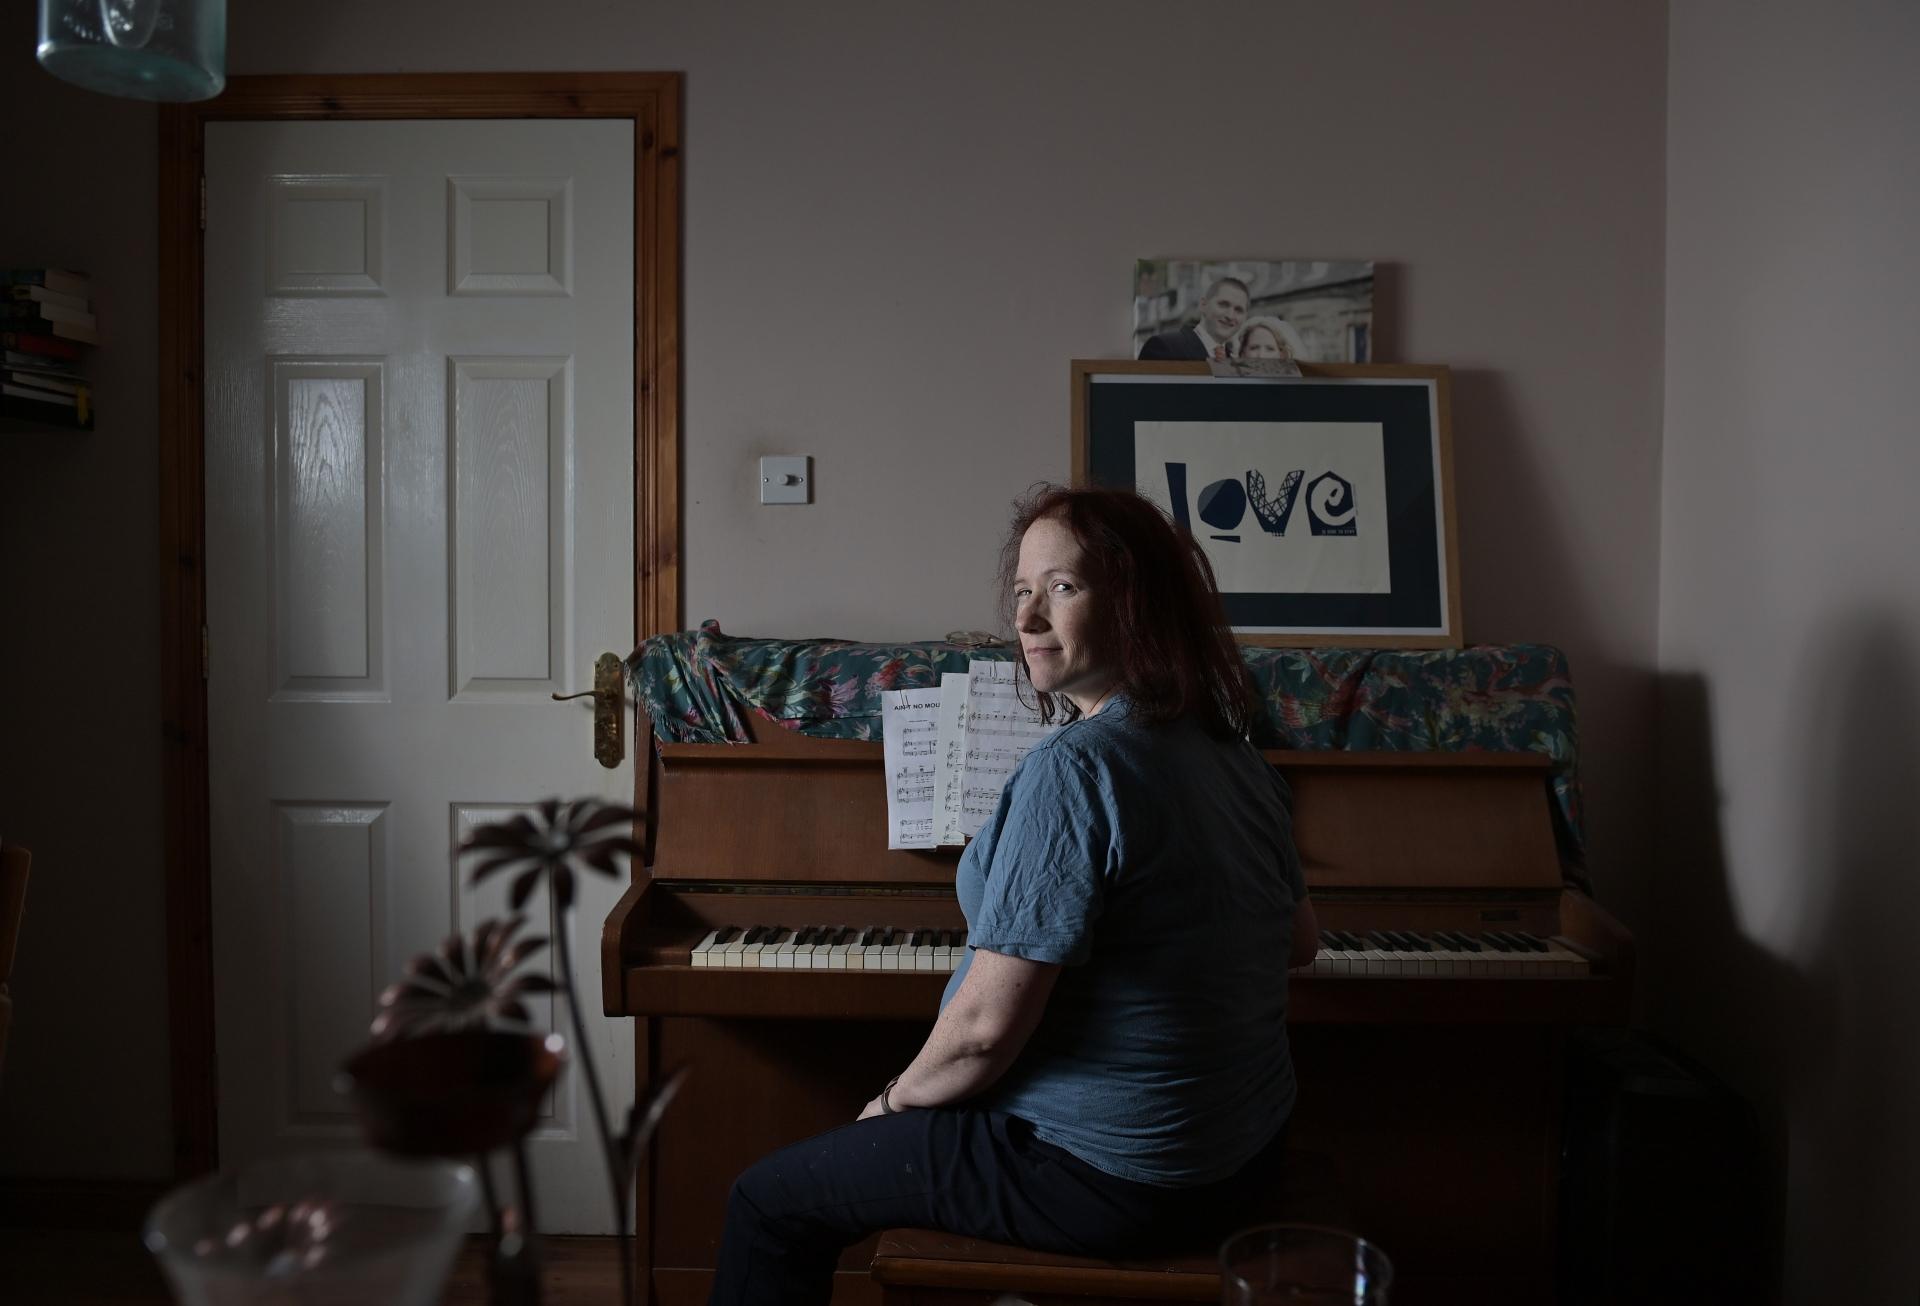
(757, 934)
(1534, 941)
(1464, 942)
(871, 938)
(725, 934)
(1381, 942)
(1350, 941)
(846, 937)
(1420, 942)
(1496, 940)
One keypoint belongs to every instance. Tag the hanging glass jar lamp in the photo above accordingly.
(141, 49)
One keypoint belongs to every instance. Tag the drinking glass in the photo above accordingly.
(1302, 1265)
(327, 1229)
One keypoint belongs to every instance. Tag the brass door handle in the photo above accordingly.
(609, 726)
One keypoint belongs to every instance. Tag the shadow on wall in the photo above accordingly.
(1718, 996)
(1522, 580)
(1825, 1049)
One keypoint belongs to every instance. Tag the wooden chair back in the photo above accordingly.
(14, 861)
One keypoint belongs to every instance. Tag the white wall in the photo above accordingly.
(903, 221)
(1790, 608)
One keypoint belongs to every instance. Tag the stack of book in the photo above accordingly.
(44, 326)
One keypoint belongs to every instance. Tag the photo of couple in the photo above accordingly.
(1252, 312)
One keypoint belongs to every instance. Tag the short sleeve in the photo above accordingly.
(1290, 868)
(1051, 858)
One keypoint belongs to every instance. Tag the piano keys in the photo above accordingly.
(828, 947)
(1493, 954)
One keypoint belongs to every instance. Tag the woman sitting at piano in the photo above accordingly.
(1109, 1072)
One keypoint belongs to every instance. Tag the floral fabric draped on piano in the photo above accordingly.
(696, 684)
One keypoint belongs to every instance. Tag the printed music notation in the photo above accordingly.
(952, 758)
(910, 726)
(1000, 731)
(950, 750)
(913, 785)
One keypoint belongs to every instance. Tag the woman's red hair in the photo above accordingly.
(1161, 615)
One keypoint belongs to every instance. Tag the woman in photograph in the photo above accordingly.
(1109, 1073)
(1265, 338)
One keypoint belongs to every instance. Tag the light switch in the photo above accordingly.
(786, 480)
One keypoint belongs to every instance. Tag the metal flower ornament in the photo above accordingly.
(555, 843)
(457, 1066)
(550, 843)
(467, 984)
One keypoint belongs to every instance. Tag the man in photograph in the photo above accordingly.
(1222, 309)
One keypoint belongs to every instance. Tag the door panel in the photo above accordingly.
(419, 435)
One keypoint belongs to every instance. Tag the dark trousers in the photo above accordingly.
(978, 1174)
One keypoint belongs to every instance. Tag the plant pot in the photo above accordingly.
(459, 1094)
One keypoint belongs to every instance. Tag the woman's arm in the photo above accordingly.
(1305, 944)
(990, 1019)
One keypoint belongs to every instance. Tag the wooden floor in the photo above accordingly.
(58, 1268)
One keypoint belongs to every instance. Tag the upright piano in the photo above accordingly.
(1427, 1038)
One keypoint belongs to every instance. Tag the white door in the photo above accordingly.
(419, 434)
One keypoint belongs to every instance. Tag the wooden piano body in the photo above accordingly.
(1438, 1097)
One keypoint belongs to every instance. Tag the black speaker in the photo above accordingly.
(1662, 1180)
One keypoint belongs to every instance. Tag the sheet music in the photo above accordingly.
(910, 724)
(1000, 731)
(950, 766)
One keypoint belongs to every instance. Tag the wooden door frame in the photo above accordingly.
(651, 101)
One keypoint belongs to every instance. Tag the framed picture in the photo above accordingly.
(1324, 502)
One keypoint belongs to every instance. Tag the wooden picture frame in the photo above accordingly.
(1324, 502)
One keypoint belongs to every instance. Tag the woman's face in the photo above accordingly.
(1262, 343)
(1059, 619)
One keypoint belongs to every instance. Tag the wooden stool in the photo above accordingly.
(918, 1267)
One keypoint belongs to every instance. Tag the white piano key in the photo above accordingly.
(750, 953)
(703, 949)
(1569, 957)
(780, 954)
(1381, 958)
